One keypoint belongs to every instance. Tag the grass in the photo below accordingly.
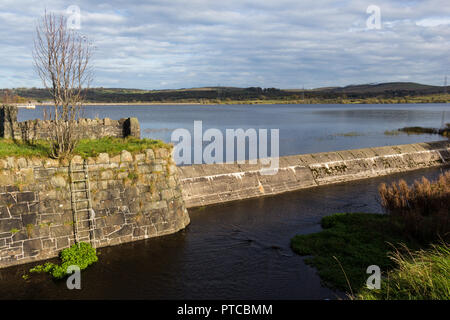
(85, 148)
(350, 242)
(10, 148)
(113, 146)
(420, 275)
(353, 241)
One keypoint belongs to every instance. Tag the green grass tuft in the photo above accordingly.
(113, 146)
(10, 148)
(421, 275)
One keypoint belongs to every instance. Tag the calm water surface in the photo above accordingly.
(303, 128)
(235, 251)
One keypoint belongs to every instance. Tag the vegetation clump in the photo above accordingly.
(81, 255)
(409, 244)
(422, 130)
(423, 208)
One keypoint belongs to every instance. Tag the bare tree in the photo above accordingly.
(61, 58)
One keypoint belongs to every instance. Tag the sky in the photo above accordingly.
(168, 44)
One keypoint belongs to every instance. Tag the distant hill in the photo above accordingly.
(390, 86)
(233, 94)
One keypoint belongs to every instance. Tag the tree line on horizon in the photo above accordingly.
(382, 91)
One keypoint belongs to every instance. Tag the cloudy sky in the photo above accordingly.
(158, 44)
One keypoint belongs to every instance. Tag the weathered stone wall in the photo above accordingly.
(134, 197)
(218, 183)
(84, 128)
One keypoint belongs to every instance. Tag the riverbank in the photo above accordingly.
(349, 243)
(409, 245)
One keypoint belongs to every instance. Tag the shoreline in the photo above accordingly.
(87, 104)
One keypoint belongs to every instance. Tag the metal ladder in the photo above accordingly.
(80, 195)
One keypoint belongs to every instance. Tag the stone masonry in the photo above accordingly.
(134, 197)
(84, 129)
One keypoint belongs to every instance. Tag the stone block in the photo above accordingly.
(32, 247)
(114, 220)
(125, 156)
(58, 181)
(62, 230)
(62, 242)
(28, 219)
(25, 196)
(149, 154)
(103, 158)
(4, 213)
(6, 199)
(18, 209)
(49, 244)
(123, 231)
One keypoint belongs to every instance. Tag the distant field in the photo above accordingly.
(398, 92)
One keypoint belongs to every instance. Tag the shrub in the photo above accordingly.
(82, 255)
(423, 208)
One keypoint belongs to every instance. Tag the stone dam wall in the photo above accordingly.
(84, 128)
(144, 195)
(133, 197)
(218, 183)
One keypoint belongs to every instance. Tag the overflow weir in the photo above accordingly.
(208, 184)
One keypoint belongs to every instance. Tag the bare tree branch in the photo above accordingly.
(61, 59)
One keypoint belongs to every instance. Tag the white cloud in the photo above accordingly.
(284, 43)
(433, 22)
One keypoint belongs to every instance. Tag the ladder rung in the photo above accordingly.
(89, 223)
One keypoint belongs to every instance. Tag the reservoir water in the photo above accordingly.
(240, 250)
(302, 128)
